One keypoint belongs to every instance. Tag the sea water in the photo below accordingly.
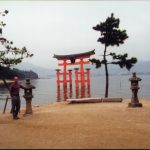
(46, 90)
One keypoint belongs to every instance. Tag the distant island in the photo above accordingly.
(22, 74)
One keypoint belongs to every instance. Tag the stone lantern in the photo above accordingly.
(134, 87)
(28, 96)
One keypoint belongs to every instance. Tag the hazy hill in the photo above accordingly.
(10, 73)
(42, 72)
(142, 67)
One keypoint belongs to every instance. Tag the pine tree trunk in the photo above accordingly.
(106, 74)
(107, 80)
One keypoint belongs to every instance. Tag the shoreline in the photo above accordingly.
(93, 125)
(8, 81)
(11, 81)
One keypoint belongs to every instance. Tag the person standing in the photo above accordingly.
(15, 97)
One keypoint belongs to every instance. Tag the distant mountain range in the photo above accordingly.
(142, 67)
(9, 73)
(42, 72)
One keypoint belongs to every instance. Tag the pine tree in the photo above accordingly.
(9, 54)
(112, 35)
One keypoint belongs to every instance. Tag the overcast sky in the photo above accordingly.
(62, 27)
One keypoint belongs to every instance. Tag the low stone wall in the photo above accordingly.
(112, 99)
(94, 100)
(85, 100)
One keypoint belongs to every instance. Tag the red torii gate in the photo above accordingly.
(81, 73)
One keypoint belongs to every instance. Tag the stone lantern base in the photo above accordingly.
(28, 107)
(28, 110)
(135, 105)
